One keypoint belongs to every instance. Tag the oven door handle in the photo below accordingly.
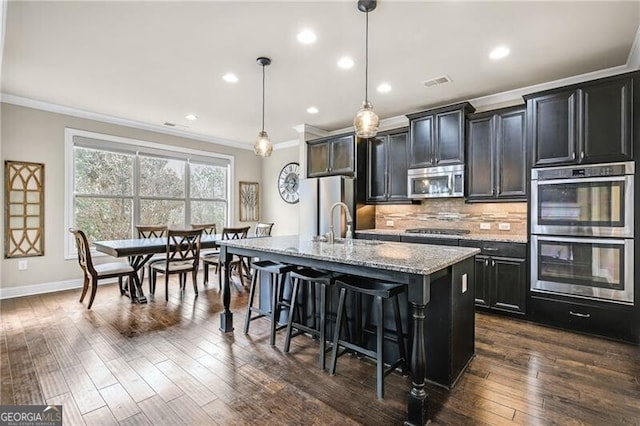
(578, 314)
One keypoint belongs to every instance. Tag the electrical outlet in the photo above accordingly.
(485, 225)
(504, 226)
(389, 223)
(22, 265)
(464, 283)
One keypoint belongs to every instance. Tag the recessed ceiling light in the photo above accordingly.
(230, 77)
(345, 62)
(191, 117)
(384, 88)
(306, 36)
(312, 110)
(499, 52)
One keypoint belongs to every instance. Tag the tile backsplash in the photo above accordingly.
(479, 218)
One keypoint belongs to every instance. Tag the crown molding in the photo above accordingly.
(633, 60)
(312, 130)
(286, 144)
(75, 112)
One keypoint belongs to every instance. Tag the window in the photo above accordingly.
(115, 183)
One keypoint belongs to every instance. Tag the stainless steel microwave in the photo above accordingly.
(436, 182)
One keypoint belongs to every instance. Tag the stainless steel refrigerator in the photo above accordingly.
(317, 195)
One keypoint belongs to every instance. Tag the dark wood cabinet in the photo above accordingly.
(501, 275)
(612, 321)
(586, 123)
(429, 240)
(497, 155)
(330, 156)
(387, 164)
(437, 136)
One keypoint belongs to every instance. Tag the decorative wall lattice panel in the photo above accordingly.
(24, 209)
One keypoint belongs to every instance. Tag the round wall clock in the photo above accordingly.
(288, 183)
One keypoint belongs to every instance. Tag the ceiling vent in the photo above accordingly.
(437, 81)
(177, 126)
(166, 123)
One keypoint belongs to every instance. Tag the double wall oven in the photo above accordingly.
(582, 231)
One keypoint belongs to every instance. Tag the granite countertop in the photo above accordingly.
(423, 259)
(507, 238)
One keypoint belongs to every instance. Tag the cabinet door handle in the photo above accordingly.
(493, 263)
(582, 155)
(573, 156)
(578, 314)
(490, 248)
(486, 262)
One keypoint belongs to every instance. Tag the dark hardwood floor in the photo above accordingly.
(167, 364)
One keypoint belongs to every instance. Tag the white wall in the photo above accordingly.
(38, 136)
(276, 210)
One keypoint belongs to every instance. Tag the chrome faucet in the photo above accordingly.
(330, 236)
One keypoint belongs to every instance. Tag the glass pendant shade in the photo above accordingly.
(263, 146)
(366, 121)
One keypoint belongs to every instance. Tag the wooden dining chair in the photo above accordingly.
(207, 229)
(263, 229)
(236, 262)
(151, 231)
(183, 256)
(93, 273)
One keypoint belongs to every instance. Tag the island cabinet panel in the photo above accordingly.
(387, 164)
(437, 136)
(585, 123)
(379, 237)
(497, 156)
(501, 275)
(330, 156)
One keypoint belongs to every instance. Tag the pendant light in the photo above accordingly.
(263, 146)
(366, 120)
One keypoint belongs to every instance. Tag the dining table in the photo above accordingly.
(138, 251)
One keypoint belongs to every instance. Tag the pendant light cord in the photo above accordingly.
(366, 59)
(263, 97)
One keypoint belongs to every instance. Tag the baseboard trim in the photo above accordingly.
(30, 290)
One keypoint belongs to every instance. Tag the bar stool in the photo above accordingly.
(380, 291)
(274, 269)
(313, 278)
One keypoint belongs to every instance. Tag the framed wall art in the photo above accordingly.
(23, 209)
(249, 202)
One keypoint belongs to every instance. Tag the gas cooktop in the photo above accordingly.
(443, 231)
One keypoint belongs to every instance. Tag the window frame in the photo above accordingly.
(137, 147)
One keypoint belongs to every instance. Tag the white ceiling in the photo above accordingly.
(153, 62)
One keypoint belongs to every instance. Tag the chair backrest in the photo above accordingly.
(84, 252)
(263, 229)
(152, 231)
(207, 228)
(235, 233)
(183, 245)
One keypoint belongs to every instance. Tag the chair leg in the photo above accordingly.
(401, 346)
(323, 326)
(85, 287)
(152, 281)
(336, 333)
(380, 349)
(194, 274)
(120, 285)
(252, 292)
(142, 274)
(94, 288)
(166, 286)
(275, 290)
(205, 266)
(292, 310)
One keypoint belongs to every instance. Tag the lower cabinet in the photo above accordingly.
(612, 321)
(501, 275)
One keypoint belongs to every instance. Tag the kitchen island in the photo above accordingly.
(440, 295)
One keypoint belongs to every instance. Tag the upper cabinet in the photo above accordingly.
(387, 163)
(497, 155)
(333, 155)
(437, 136)
(586, 123)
